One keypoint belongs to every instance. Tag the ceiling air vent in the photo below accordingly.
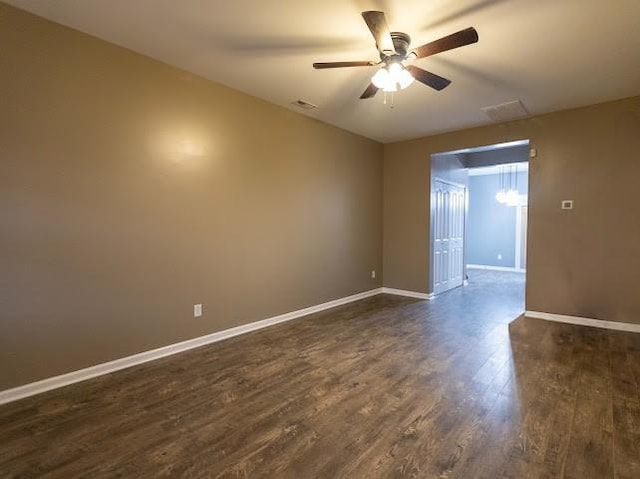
(305, 105)
(511, 110)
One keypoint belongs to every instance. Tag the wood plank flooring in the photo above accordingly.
(386, 387)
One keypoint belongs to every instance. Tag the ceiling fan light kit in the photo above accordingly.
(392, 78)
(393, 48)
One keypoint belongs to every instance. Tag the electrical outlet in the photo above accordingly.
(567, 204)
(197, 310)
(373, 273)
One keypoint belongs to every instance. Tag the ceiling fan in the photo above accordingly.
(394, 50)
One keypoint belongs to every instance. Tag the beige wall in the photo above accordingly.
(131, 190)
(584, 262)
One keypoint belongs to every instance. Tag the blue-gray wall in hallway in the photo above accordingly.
(491, 226)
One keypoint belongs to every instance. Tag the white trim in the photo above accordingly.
(449, 182)
(55, 382)
(410, 294)
(595, 323)
(476, 149)
(517, 262)
(496, 268)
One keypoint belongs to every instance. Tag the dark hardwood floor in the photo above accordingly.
(386, 387)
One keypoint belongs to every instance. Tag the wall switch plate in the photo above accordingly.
(197, 310)
(533, 153)
(373, 273)
(567, 204)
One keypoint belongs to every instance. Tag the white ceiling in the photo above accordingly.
(551, 54)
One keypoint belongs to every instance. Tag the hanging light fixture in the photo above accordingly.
(509, 196)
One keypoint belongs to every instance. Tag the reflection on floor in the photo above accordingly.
(386, 387)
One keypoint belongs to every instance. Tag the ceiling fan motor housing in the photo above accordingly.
(401, 42)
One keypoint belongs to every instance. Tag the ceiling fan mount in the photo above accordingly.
(393, 48)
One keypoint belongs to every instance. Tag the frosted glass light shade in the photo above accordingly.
(512, 198)
(392, 78)
(380, 78)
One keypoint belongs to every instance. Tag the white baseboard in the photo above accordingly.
(496, 268)
(55, 382)
(410, 294)
(595, 323)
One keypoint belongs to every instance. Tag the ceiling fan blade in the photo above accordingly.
(377, 23)
(370, 92)
(342, 64)
(430, 79)
(455, 40)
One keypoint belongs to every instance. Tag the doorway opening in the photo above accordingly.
(479, 213)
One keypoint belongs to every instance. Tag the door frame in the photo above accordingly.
(522, 216)
(430, 209)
